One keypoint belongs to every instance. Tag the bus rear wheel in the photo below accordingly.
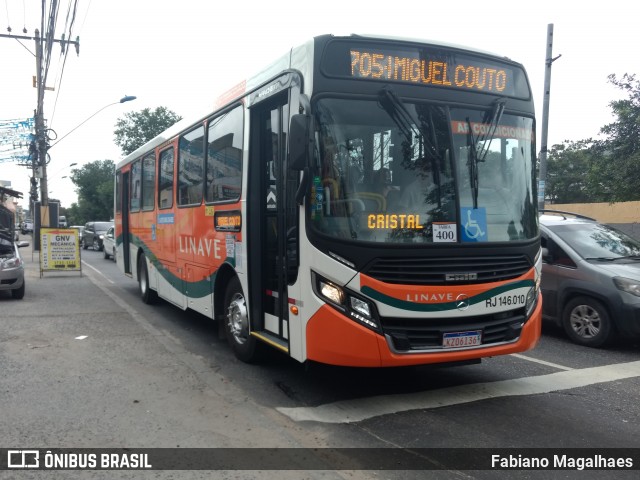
(236, 324)
(148, 295)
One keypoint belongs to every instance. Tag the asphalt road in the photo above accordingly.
(181, 385)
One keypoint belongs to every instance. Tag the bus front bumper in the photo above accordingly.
(334, 339)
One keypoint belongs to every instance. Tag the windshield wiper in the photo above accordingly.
(491, 117)
(473, 164)
(406, 122)
(614, 259)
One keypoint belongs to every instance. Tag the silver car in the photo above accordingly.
(109, 244)
(590, 278)
(11, 264)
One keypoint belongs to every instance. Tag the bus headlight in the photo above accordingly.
(360, 306)
(347, 302)
(532, 296)
(332, 292)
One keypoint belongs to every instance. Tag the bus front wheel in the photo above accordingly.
(236, 324)
(148, 295)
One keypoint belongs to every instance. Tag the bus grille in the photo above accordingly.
(434, 271)
(420, 334)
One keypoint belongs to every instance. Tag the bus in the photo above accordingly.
(363, 201)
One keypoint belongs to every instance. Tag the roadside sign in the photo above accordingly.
(60, 250)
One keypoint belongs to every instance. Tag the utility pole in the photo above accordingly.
(39, 153)
(545, 116)
(41, 139)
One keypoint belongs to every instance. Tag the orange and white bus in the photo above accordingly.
(361, 201)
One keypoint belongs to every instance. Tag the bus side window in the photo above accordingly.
(148, 182)
(165, 180)
(224, 157)
(191, 167)
(136, 191)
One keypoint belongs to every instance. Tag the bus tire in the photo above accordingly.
(148, 295)
(236, 324)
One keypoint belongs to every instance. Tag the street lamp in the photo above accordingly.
(126, 98)
(64, 168)
(44, 197)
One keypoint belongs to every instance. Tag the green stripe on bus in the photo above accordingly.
(198, 289)
(442, 307)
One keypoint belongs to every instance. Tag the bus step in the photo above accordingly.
(271, 339)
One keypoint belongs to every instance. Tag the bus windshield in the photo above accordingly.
(393, 171)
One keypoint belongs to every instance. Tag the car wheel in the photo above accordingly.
(84, 244)
(587, 322)
(148, 295)
(105, 254)
(236, 318)
(96, 245)
(18, 293)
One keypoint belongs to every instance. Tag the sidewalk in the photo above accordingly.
(80, 368)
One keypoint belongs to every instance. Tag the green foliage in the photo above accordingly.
(137, 128)
(568, 167)
(620, 152)
(94, 185)
(605, 170)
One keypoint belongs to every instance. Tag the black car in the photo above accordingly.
(93, 235)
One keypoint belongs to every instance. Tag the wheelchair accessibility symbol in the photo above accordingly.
(474, 224)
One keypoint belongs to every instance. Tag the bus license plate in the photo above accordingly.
(461, 339)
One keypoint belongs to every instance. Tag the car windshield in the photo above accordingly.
(392, 171)
(597, 241)
(102, 226)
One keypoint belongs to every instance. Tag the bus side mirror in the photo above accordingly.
(299, 141)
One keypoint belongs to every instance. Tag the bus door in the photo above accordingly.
(126, 253)
(272, 232)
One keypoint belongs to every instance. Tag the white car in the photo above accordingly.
(109, 244)
(27, 227)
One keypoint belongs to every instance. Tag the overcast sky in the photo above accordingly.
(181, 55)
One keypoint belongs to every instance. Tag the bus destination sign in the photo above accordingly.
(437, 68)
(228, 221)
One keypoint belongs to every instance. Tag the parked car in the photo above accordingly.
(27, 227)
(109, 244)
(93, 234)
(590, 278)
(11, 264)
(80, 229)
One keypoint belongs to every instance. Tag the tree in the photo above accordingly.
(604, 170)
(137, 128)
(620, 152)
(94, 186)
(581, 172)
(568, 173)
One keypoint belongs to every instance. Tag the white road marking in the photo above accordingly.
(98, 271)
(536, 360)
(361, 409)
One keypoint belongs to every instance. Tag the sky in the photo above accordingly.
(182, 55)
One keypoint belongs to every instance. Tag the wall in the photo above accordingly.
(624, 215)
